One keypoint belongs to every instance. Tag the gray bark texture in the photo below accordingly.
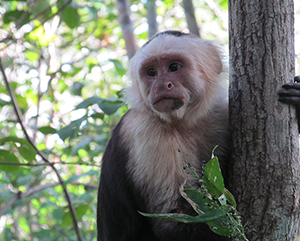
(126, 25)
(190, 17)
(151, 18)
(264, 170)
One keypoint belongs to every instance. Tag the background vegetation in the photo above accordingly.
(65, 63)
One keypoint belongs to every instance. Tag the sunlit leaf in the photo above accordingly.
(32, 56)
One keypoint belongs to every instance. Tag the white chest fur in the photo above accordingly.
(157, 158)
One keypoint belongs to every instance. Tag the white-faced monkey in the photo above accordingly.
(179, 113)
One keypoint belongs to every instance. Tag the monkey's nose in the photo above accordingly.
(169, 86)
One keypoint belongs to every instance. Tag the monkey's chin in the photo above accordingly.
(168, 105)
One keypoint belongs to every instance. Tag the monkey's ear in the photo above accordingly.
(216, 62)
(210, 62)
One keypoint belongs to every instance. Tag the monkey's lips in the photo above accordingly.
(168, 104)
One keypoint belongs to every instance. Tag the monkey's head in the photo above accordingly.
(175, 75)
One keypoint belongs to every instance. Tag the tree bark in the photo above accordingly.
(151, 18)
(127, 28)
(264, 172)
(190, 17)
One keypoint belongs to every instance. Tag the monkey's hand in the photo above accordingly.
(290, 94)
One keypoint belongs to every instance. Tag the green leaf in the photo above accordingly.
(6, 156)
(77, 88)
(70, 17)
(110, 107)
(221, 226)
(15, 16)
(47, 130)
(213, 177)
(70, 131)
(4, 102)
(41, 9)
(58, 214)
(88, 102)
(27, 152)
(202, 218)
(229, 197)
(98, 116)
(119, 67)
(202, 203)
(79, 211)
(24, 147)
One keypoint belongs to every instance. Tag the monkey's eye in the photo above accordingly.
(174, 67)
(151, 72)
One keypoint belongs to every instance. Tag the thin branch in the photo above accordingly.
(49, 164)
(40, 153)
(214, 7)
(35, 189)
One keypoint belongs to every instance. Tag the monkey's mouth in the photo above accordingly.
(168, 104)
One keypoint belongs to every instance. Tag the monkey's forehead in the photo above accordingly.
(169, 44)
(169, 33)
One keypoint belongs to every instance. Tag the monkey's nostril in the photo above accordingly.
(170, 85)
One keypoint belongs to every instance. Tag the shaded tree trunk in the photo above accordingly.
(151, 18)
(190, 17)
(264, 175)
(127, 28)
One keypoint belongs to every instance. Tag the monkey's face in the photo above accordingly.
(176, 77)
(165, 82)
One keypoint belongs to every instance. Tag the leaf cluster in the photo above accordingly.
(212, 202)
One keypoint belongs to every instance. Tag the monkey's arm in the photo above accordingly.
(118, 217)
(290, 94)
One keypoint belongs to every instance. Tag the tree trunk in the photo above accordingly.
(264, 173)
(190, 17)
(126, 25)
(151, 18)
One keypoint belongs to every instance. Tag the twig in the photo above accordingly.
(35, 189)
(40, 153)
(49, 164)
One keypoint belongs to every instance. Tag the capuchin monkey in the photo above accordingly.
(179, 113)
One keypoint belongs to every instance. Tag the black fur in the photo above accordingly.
(117, 215)
(290, 94)
(168, 32)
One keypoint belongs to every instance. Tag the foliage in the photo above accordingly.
(66, 65)
(213, 203)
